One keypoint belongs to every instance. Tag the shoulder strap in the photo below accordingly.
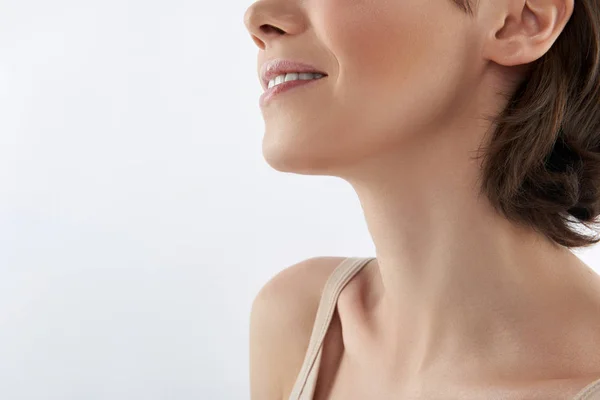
(307, 378)
(590, 392)
(305, 384)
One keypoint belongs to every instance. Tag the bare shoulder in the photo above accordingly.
(281, 321)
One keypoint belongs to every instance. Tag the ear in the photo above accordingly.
(523, 30)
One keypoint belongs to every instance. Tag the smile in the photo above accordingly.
(283, 86)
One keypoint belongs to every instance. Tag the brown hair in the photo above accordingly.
(542, 165)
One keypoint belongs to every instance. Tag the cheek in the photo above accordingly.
(377, 42)
(394, 63)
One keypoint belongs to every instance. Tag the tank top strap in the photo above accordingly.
(305, 384)
(590, 392)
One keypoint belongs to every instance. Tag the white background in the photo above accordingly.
(138, 218)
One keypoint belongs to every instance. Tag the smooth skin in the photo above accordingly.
(460, 303)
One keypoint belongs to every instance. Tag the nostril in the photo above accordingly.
(270, 28)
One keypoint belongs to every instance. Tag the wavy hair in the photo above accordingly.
(542, 164)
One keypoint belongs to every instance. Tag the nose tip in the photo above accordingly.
(248, 16)
(268, 20)
(250, 21)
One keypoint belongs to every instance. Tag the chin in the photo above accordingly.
(286, 157)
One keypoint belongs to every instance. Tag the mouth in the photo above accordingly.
(291, 77)
(275, 89)
(277, 71)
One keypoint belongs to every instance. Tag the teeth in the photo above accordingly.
(293, 76)
(290, 77)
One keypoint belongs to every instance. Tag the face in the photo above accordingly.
(396, 70)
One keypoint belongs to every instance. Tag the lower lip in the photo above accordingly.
(283, 87)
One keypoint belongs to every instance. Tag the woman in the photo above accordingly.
(471, 135)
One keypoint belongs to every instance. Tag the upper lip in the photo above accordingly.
(279, 66)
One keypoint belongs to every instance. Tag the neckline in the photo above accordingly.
(339, 278)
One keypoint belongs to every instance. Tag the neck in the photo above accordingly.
(453, 276)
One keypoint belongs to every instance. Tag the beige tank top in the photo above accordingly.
(306, 381)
